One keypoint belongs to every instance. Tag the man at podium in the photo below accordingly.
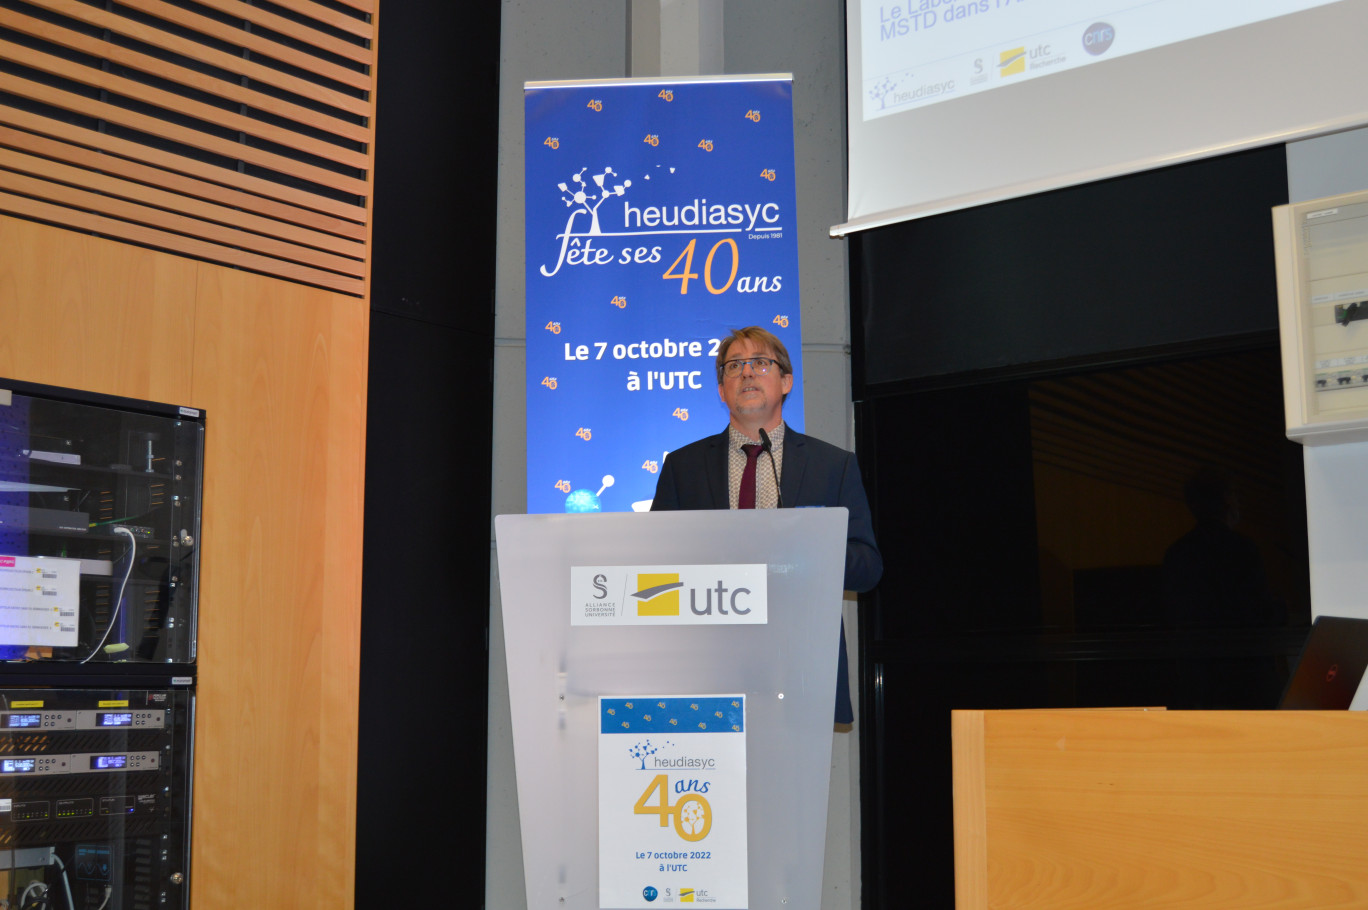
(757, 462)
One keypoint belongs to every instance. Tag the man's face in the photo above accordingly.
(754, 399)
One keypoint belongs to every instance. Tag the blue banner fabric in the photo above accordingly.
(660, 215)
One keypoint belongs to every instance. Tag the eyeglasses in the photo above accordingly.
(761, 366)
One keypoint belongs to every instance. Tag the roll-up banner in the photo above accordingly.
(660, 216)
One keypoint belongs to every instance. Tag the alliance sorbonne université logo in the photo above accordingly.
(668, 595)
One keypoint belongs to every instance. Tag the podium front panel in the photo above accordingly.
(785, 668)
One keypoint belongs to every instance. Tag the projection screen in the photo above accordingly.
(953, 103)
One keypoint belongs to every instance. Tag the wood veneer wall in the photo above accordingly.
(178, 138)
(280, 370)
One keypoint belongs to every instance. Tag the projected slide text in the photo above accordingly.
(920, 52)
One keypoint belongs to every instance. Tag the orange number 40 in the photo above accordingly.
(692, 814)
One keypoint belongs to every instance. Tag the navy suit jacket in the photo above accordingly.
(815, 473)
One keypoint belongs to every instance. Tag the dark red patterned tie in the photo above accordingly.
(746, 498)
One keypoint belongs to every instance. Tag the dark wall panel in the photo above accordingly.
(1160, 258)
(994, 350)
(425, 599)
(425, 603)
(950, 474)
(436, 163)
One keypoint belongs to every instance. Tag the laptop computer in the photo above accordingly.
(1330, 671)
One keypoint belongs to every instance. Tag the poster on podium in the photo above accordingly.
(672, 801)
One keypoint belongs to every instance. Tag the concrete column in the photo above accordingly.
(674, 37)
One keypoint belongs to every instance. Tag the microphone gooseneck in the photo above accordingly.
(768, 448)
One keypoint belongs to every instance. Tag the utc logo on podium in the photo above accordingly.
(668, 595)
(658, 594)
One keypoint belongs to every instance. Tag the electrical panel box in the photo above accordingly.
(1322, 264)
(99, 527)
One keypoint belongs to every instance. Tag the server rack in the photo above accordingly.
(100, 516)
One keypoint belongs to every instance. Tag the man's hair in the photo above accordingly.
(762, 338)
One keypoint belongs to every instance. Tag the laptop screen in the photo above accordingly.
(1331, 666)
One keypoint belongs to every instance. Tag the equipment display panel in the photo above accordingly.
(99, 527)
(91, 814)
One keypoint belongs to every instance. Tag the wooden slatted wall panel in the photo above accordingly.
(232, 132)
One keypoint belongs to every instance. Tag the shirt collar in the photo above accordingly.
(736, 439)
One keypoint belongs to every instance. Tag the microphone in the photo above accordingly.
(768, 449)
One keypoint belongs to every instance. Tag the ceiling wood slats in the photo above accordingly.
(114, 196)
(38, 210)
(121, 154)
(258, 16)
(217, 129)
(183, 76)
(200, 50)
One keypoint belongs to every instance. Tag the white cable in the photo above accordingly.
(66, 882)
(132, 552)
(38, 883)
(109, 889)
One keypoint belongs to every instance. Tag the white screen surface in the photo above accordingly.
(1001, 98)
(915, 53)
